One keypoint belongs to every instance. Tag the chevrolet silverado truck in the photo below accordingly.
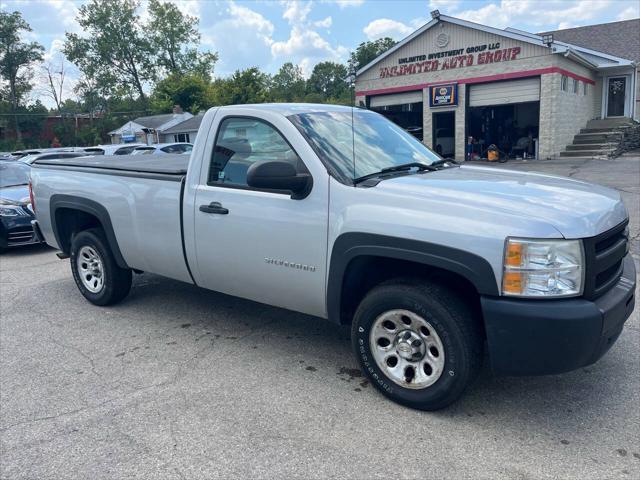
(338, 213)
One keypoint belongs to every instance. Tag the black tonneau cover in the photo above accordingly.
(169, 164)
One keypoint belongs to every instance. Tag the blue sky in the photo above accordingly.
(269, 33)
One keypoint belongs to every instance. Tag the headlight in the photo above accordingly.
(11, 211)
(543, 268)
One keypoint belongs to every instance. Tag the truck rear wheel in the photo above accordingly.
(417, 342)
(95, 271)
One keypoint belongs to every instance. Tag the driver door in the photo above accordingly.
(257, 244)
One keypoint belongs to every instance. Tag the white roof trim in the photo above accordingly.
(513, 33)
(456, 21)
(398, 45)
(572, 54)
(622, 61)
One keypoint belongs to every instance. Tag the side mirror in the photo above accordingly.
(276, 175)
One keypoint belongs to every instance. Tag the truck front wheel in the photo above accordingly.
(95, 271)
(417, 342)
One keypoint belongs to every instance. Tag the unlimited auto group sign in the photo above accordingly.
(451, 59)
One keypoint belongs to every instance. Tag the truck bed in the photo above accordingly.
(139, 165)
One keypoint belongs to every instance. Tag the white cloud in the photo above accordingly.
(296, 12)
(537, 15)
(243, 39)
(629, 13)
(385, 27)
(307, 47)
(444, 5)
(326, 23)
(347, 3)
(66, 11)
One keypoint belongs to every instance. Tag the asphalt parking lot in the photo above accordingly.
(178, 382)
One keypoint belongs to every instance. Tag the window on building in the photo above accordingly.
(564, 83)
(575, 86)
(585, 88)
(181, 137)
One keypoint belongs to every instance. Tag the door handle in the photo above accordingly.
(214, 207)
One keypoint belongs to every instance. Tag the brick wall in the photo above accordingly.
(564, 113)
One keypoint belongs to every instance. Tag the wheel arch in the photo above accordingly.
(71, 214)
(360, 261)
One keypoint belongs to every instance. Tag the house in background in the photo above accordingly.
(621, 39)
(185, 131)
(149, 129)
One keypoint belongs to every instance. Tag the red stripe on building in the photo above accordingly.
(489, 78)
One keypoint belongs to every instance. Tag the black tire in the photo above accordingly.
(116, 280)
(453, 320)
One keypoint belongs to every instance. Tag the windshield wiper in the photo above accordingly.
(14, 185)
(407, 166)
(443, 161)
(395, 169)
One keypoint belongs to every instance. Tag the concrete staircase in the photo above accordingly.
(599, 138)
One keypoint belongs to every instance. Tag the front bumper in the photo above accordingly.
(17, 231)
(540, 337)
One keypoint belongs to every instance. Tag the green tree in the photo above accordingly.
(16, 59)
(191, 91)
(114, 51)
(244, 86)
(288, 85)
(369, 50)
(174, 38)
(329, 80)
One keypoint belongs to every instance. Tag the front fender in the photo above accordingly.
(349, 246)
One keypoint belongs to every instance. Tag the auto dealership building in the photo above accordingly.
(527, 94)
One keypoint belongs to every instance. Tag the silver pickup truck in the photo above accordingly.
(337, 213)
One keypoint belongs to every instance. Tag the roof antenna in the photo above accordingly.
(352, 86)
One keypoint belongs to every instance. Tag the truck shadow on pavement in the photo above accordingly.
(320, 346)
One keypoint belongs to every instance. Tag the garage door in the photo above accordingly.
(500, 93)
(396, 99)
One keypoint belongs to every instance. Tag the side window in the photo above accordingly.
(242, 142)
(171, 149)
(124, 150)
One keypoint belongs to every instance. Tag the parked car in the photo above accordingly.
(29, 159)
(114, 149)
(163, 148)
(15, 210)
(340, 214)
(21, 153)
(416, 132)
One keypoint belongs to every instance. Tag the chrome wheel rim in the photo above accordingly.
(407, 349)
(90, 269)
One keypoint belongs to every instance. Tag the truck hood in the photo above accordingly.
(576, 209)
(17, 195)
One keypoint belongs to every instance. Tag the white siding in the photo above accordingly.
(502, 93)
(396, 99)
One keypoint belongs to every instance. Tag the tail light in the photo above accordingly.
(33, 203)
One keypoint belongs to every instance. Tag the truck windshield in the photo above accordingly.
(13, 173)
(360, 145)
